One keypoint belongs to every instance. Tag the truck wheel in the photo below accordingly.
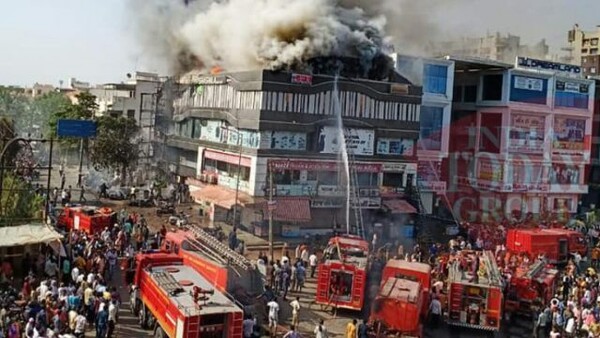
(143, 318)
(159, 333)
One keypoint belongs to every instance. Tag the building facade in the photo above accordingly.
(239, 137)
(437, 78)
(583, 49)
(521, 138)
(136, 99)
(492, 46)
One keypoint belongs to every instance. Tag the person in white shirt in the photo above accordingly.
(304, 256)
(273, 316)
(295, 304)
(74, 274)
(90, 278)
(570, 327)
(313, 260)
(80, 323)
(112, 318)
(435, 311)
(320, 330)
(42, 290)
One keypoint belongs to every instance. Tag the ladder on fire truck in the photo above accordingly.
(355, 196)
(217, 248)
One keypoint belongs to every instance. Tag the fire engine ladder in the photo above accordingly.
(535, 269)
(219, 248)
(355, 196)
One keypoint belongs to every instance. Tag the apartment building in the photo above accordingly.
(437, 78)
(521, 138)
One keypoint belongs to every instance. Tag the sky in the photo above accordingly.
(46, 41)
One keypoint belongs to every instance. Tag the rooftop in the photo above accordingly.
(184, 278)
(473, 64)
(400, 289)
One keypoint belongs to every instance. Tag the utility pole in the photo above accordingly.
(47, 206)
(237, 180)
(79, 181)
(271, 207)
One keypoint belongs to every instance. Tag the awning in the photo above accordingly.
(399, 207)
(221, 196)
(27, 234)
(289, 210)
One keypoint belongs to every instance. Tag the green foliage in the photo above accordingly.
(114, 146)
(84, 109)
(13, 104)
(43, 110)
(7, 132)
(20, 203)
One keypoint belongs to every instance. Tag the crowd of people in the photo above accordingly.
(68, 291)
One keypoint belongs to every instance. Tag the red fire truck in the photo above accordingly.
(554, 244)
(537, 283)
(89, 219)
(398, 308)
(174, 300)
(403, 298)
(227, 270)
(474, 291)
(342, 276)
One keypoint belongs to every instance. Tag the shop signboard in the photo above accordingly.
(490, 171)
(572, 87)
(388, 146)
(290, 231)
(569, 134)
(526, 133)
(331, 191)
(326, 203)
(303, 79)
(367, 202)
(529, 83)
(432, 186)
(321, 166)
(228, 158)
(358, 141)
(524, 62)
(283, 140)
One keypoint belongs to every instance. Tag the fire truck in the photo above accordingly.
(536, 283)
(174, 300)
(555, 245)
(89, 219)
(227, 270)
(403, 299)
(342, 277)
(474, 291)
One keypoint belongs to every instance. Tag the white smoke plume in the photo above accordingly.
(250, 34)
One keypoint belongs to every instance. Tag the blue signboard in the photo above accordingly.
(76, 128)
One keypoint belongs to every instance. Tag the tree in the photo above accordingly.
(13, 105)
(20, 203)
(43, 109)
(114, 146)
(84, 109)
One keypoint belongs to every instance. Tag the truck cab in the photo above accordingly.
(90, 220)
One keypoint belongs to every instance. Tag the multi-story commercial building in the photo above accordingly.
(136, 99)
(437, 78)
(521, 137)
(583, 49)
(492, 46)
(236, 133)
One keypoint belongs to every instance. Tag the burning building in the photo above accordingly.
(236, 132)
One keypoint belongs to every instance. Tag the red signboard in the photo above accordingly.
(302, 79)
(321, 166)
(228, 158)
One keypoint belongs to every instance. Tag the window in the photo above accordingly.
(470, 94)
(196, 132)
(571, 100)
(594, 42)
(393, 180)
(367, 179)
(593, 70)
(492, 87)
(131, 114)
(430, 136)
(435, 79)
(458, 93)
(490, 133)
(594, 51)
(584, 59)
